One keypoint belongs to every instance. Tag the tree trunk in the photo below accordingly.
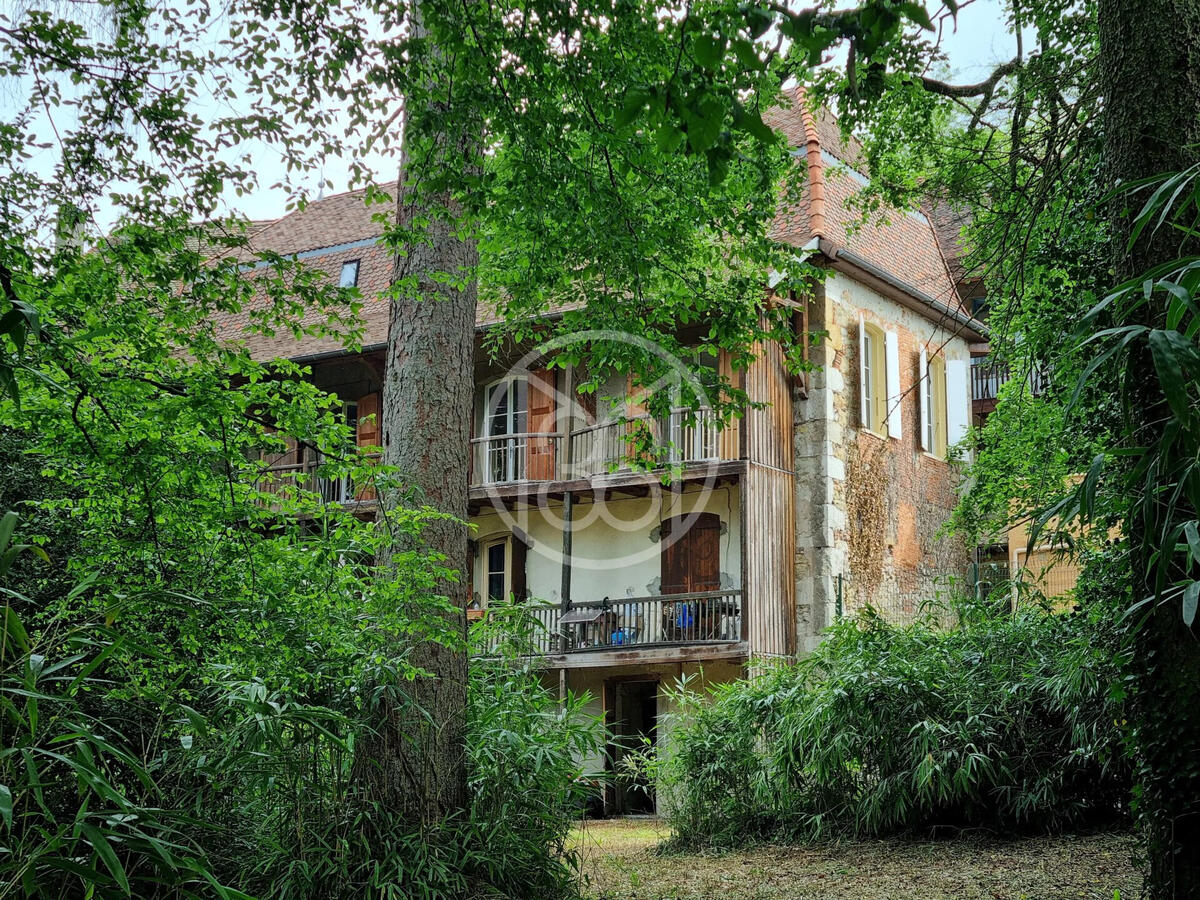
(416, 764)
(1150, 66)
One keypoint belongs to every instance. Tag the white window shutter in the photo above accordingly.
(864, 389)
(958, 400)
(923, 413)
(892, 367)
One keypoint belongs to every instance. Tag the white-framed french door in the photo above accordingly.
(505, 424)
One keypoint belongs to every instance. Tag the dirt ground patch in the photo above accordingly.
(620, 863)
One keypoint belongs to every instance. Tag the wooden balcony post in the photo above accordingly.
(568, 508)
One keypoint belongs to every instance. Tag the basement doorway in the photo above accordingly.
(632, 707)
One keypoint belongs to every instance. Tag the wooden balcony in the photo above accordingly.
(988, 377)
(681, 438)
(597, 632)
(513, 458)
(278, 477)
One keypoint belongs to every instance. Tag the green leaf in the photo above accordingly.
(917, 13)
(747, 54)
(1191, 598)
(1174, 357)
(1192, 532)
(704, 124)
(750, 121)
(8, 524)
(708, 50)
(635, 101)
(13, 632)
(6, 806)
(718, 165)
(668, 137)
(758, 20)
(105, 851)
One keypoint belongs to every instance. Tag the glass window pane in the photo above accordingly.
(495, 571)
(520, 405)
(497, 409)
(349, 276)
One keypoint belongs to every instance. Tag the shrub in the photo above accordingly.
(1008, 723)
(111, 786)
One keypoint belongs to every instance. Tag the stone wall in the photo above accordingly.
(869, 508)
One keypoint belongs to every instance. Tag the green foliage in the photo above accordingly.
(122, 788)
(526, 778)
(1021, 466)
(83, 807)
(1153, 318)
(1143, 338)
(1006, 723)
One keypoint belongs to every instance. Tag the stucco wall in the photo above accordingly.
(592, 681)
(869, 508)
(615, 550)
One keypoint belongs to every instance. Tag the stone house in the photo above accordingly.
(830, 497)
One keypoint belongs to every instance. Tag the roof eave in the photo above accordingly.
(957, 321)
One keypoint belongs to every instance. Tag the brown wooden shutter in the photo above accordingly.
(635, 412)
(366, 434)
(673, 559)
(704, 553)
(539, 451)
(691, 561)
(729, 446)
(520, 551)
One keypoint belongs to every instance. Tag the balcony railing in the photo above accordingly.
(506, 458)
(303, 475)
(686, 436)
(669, 619)
(988, 377)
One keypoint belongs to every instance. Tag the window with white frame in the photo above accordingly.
(496, 570)
(945, 402)
(934, 408)
(873, 388)
(504, 561)
(349, 276)
(505, 423)
(879, 379)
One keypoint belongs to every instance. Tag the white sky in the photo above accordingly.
(980, 40)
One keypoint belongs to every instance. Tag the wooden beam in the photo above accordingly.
(649, 655)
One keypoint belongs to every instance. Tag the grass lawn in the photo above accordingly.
(620, 864)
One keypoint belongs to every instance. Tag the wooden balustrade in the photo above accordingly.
(304, 475)
(988, 377)
(507, 458)
(668, 619)
(684, 436)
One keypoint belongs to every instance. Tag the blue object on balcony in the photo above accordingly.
(618, 636)
(684, 618)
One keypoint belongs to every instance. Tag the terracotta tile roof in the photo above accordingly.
(949, 224)
(340, 219)
(337, 229)
(902, 243)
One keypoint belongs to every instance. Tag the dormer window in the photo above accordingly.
(349, 276)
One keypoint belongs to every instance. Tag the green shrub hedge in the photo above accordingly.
(1009, 723)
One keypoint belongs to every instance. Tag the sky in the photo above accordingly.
(974, 45)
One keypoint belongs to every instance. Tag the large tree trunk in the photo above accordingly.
(416, 765)
(1150, 65)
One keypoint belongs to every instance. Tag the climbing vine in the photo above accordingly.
(866, 515)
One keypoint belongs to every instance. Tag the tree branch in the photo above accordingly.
(982, 88)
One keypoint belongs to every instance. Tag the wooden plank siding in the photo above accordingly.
(769, 522)
(729, 440)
